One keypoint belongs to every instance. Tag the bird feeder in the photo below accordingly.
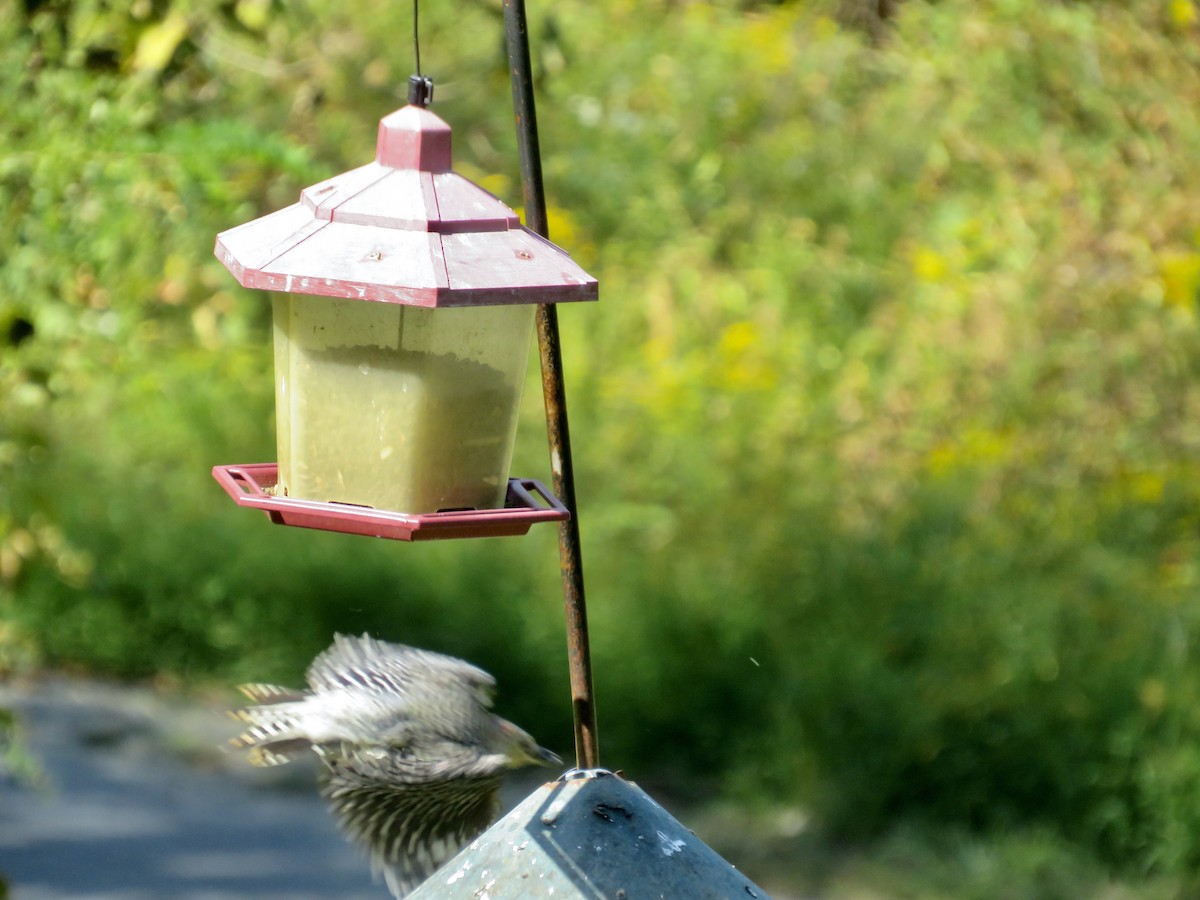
(403, 309)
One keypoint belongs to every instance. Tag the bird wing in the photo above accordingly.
(404, 692)
(374, 665)
(409, 823)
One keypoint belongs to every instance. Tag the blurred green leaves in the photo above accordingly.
(886, 428)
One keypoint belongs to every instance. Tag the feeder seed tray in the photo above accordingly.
(527, 503)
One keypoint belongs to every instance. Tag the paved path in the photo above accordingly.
(140, 803)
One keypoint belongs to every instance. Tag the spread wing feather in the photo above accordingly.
(409, 824)
(374, 665)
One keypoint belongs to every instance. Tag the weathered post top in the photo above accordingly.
(589, 834)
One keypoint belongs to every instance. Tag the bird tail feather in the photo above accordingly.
(270, 693)
(272, 738)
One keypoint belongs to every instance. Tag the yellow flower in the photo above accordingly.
(158, 43)
(1148, 487)
(738, 337)
(1182, 13)
(740, 367)
(929, 265)
(1180, 274)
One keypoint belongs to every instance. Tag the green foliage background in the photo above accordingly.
(887, 425)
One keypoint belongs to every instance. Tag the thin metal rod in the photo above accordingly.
(587, 751)
(417, 33)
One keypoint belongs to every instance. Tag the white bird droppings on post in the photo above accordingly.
(670, 846)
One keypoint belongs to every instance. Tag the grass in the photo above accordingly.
(791, 857)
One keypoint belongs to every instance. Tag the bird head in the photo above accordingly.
(520, 748)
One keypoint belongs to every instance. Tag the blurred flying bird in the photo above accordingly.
(413, 757)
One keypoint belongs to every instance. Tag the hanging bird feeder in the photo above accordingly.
(403, 310)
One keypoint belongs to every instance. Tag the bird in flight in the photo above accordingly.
(413, 756)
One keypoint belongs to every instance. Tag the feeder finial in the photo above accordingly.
(414, 137)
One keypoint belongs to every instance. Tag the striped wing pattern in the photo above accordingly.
(403, 693)
(410, 823)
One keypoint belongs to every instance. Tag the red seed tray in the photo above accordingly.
(528, 502)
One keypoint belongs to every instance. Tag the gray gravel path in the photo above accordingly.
(139, 802)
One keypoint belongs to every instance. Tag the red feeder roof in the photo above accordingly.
(403, 229)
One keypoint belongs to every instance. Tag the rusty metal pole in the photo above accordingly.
(587, 754)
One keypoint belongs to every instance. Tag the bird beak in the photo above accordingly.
(546, 757)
